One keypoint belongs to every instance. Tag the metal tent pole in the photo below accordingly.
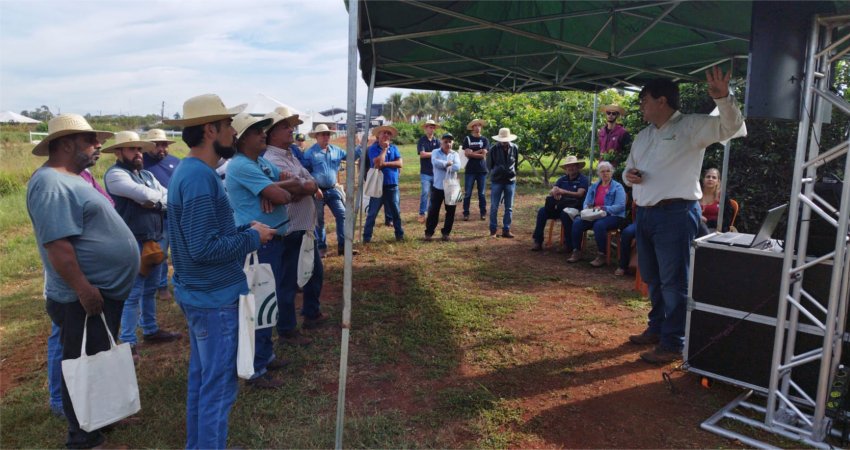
(593, 133)
(349, 224)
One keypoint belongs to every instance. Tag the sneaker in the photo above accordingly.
(538, 246)
(507, 234)
(388, 223)
(264, 381)
(619, 272)
(493, 234)
(162, 336)
(277, 364)
(294, 337)
(466, 218)
(314, 322)
(445, 238)
(574, 257)
(599, 261)
(163, 293)
(429, 237)
(660, 355)
(645, 338)
(483, 216)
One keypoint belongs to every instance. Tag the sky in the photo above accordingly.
(127, 57)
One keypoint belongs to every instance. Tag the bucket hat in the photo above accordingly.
(64, 125)
(202, 109)
(128, 139)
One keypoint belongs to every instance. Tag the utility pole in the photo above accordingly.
(162, 112)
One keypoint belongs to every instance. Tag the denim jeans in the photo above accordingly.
(54, 368)
(71, 319)
(333, 200)
(600, 230)
(627, 236)
(289, 285)
(663, 237)
(468, 180)
(497, 192)
(269, 253)
(163, 268)
(142, 296)
(212, 384)
(438, 197)
(390, 201)
(425, 181)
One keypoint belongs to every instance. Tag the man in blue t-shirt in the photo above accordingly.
(475, 173)
(424, 147)
(385, 156)
(568, 192)
(208, 252)
(253, 186)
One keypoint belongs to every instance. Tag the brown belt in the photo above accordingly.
(666, 202)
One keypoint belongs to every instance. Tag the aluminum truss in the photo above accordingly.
(791, 412)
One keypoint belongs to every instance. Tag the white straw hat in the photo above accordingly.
(202, 109)
(571, 159)
(157, 135)
(474, 122)
(64, 125)
(320, 128)
(504, 135)
(282, 114)
(128, 139)
(430, 122)
(243, 121)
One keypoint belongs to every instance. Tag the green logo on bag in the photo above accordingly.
(267, 313)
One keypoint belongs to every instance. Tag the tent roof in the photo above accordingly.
(263, 104)
(11, 117)
(538, 45)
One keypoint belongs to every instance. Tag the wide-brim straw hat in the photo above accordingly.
(430, 122)
(320, 128)
(613, 107)
(572, 160)
(504, 135)
(128, 139)
(202, 109)
(64, 125)
(378, 130)
(157, 135)
(282, 114)
(476, 121)
(243, 121)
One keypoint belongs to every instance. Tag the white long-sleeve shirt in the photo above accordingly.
(670, 158)
(121, 184)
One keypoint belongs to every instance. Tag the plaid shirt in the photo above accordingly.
(302, 214)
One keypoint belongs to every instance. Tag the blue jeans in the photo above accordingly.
(468, 180)
(663, 237)
(497, 192)
(163, 268)
(600, 230)
(54, 368)
(390, 201)
(214, 336)
(142, 296)
(269, 253)
(333, 201)
(627, 236)
(289, 285)
(425, 181)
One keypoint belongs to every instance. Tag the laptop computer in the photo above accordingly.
(768, 225)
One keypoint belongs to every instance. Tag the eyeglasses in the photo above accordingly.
(612, 113)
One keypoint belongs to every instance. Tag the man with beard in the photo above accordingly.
(158, 162)
(141, 201)
(208, 252)
(89, 255)
(613, 137)
(302, 219)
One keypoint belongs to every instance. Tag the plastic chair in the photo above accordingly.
(551, 223)
(735, 209)
(613, 238)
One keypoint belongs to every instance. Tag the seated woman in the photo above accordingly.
(710, 204)
(606, 195)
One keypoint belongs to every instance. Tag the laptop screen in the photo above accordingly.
(769, 224)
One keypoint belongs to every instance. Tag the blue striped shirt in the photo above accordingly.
(207, 249)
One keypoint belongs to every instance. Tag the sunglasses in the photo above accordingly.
(612, 113)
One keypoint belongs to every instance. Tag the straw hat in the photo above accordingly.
(476, 121)
(243, 121)
(64, 125)
(613, 107)
(504, 135)
(320, 128)
(571, 159)
(430, 122)
(128, 139)
(391, 129)
(282, 114)
(202, 109)
(157, 135)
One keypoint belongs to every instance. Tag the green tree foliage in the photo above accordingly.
(393, 107)
(41, 113)
(416, 106)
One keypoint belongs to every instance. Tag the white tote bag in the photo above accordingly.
(306, 258)
(262, 283)
(374, 185)
(451, 189)
(247, 326)
(103, 386)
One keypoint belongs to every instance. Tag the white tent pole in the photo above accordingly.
(724, 174)
(349, 224)
(365, 150)
(593, 133)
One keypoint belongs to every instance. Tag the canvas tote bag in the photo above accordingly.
(306, 258)
(374, 185)
(262, 283)
(451, 189)
(103, 387)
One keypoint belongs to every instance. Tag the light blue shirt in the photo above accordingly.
(65, 206)
(439, 161)
(245, 180)
(324, 165)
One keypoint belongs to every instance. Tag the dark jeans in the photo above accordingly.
(468, 180)
(627, 236)
(544, 215)
(71, 318)
(438, 197)
(287, 319)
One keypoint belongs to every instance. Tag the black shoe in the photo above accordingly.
(264, 381)
(429, 237)
(660, 355)
(162, 336)
(507, 234)
(277, 364)
(645, 338)
(538, 246)
(445, 238)
(315, 322)
(483, 216)
(466, 218)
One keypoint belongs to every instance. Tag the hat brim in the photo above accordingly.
(313, 134)
(510, 138)
(43, 147)
(607, 108)
(155, 141)
(192, 121)
(436, 125)
(377, 130)
(476, 121)
(292, 121)
(145, 145)
(580, 164)
(262, 123)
